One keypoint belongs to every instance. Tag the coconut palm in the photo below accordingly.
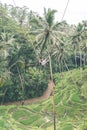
(79, 42)
(84, 50)
(76, 42)
(47, 34)
(47, 37)
(84, 42)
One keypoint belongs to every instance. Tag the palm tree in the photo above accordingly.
(79, 42)
(84, 50)
(47, 37)
(84, 42)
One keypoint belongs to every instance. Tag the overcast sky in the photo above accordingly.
(76, 11)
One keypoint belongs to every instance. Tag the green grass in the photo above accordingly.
(68, 127)
(1, 123)
(2, 111)
(70, 101)
(30, 120)
(20, 114)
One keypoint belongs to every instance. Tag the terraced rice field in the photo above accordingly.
(70, 101)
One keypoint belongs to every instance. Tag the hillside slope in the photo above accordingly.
(71, 107)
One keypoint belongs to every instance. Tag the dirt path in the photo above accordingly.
(45, 95)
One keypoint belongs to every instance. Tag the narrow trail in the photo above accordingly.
(45, 95)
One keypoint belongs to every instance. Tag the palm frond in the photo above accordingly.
(49, 16)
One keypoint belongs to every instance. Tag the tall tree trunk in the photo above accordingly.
(54, 109)
(75, 58)
(22, 86)
(80, 61)
(53, 102)
(84, 59)
(51, 73)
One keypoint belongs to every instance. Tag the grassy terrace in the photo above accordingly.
(71, 107)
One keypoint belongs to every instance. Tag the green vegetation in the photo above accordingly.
(71, 107)
(33, 50)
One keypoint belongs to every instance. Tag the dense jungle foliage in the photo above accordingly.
(28, 42)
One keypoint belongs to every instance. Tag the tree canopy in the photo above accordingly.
(32, 47)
